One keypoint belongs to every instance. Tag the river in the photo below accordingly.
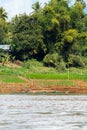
(24, 112)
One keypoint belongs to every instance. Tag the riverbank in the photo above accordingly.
(45, 86)
(40, 80)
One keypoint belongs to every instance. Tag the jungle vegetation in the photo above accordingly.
(55, 34)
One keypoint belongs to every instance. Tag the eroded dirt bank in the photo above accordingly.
(33, 86)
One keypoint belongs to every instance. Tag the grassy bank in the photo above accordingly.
(10, 75)
(38, 71)
(37, 79)
(60, 76)
(10, 79)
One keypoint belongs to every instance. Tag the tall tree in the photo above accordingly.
(27, 38)
(57, 28)
(77, 15)
(3, 13)
(36, 7)
(3, 31)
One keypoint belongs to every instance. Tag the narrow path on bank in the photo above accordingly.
(23, 78)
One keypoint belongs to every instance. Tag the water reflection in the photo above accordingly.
(23, 112)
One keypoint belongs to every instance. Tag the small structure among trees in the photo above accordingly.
(5, 47)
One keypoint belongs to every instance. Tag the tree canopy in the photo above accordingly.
(57, 28)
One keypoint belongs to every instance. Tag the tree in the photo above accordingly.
(3, 13)
(50, 26)
(3, 31)
(55, 20)
(77, 15)
(36, 7)
(69, 39)
(27, 38)
(57, 28)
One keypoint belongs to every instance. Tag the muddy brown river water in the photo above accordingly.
(24, 112)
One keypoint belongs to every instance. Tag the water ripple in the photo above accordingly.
(24, 112)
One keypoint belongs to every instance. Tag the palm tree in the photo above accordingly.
(3, 13)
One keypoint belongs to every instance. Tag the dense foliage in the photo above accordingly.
(55, 34)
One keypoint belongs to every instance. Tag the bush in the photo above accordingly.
(27, 64)
(84, 60)
(51, 60)
(54, 60)
(32, 62)
(61, 66)
(76, 61)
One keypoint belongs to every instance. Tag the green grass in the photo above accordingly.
(10, 75)
(63, 76)
(38, 71)
(78, 76)
(46, 76)
(12, 71)
(10, 79)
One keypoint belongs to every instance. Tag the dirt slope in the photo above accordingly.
(43, 86)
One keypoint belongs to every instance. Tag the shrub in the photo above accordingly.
(51, 60)
(61, 66)
(32, 62)
(27, 64)
(76, 61)
(84, 60)
(54, 60)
